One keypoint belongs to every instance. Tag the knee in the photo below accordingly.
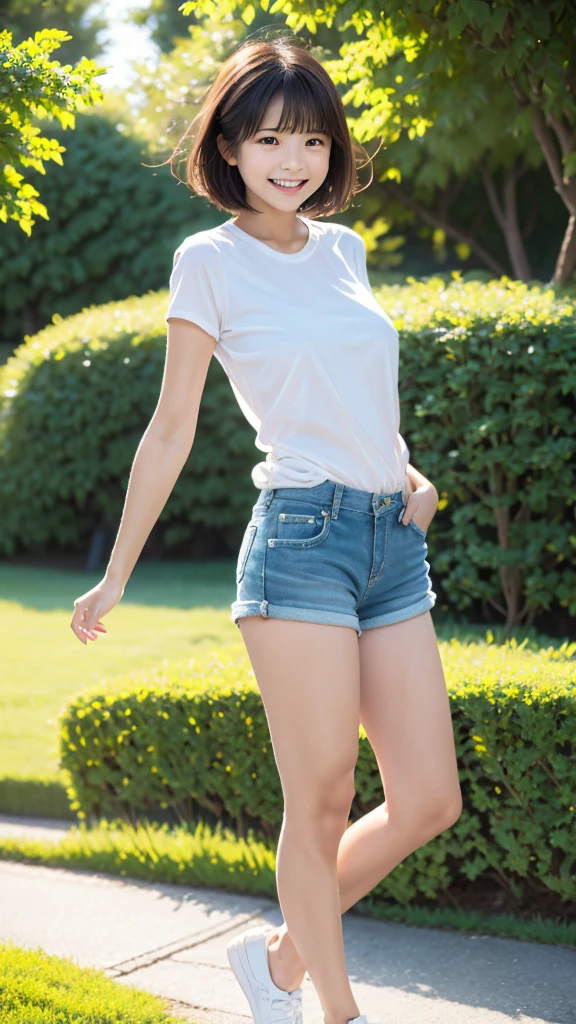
(442, 814)
(321, 814)
(450, 811)
(429, 817)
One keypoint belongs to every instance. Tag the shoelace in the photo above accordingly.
(292, 1007)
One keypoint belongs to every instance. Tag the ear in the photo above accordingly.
(224, 148)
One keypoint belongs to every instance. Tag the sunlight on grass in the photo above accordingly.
(41, 989)
(168, 611)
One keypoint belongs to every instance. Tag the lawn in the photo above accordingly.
(40, 989)
(170, 610)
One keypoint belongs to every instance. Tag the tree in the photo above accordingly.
(513, 57)
(113, 228)
(25, 17)
(165, 21)
(33, 86)
(167, 97)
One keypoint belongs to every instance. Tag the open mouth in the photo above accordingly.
(287, 188)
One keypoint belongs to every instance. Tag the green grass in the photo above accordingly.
(170, 610)
(217, 858)
(36, 988)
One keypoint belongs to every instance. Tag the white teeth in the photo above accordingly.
(286, 184)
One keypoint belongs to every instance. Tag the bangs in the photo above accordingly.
(307, 109)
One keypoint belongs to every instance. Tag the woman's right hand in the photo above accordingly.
(86, 621)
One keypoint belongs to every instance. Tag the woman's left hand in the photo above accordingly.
(421, 506)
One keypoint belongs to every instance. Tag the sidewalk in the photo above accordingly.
(171, 940)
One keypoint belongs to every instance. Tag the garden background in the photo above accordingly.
(468, 111)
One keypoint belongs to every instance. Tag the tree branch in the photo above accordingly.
(453, 230)
(544, 137)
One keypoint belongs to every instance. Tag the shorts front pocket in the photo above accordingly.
(300, 530)
(245, 547)
(418, 529)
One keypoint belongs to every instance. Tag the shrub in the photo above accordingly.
(76, 400)
(180, 735)
(487, 386)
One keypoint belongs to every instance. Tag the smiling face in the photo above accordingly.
(270, 156)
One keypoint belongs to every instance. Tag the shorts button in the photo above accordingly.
(387, 501)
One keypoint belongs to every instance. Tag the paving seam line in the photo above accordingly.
(153, 956)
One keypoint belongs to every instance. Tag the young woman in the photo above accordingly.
(333, 589)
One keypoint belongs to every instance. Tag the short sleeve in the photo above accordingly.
(355, 251)
(197, 286)
(361, 271)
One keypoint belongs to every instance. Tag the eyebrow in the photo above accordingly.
(315, 131)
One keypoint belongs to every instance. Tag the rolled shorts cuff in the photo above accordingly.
(400, 614)
(240, 609)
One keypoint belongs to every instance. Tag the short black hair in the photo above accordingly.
(235, 105)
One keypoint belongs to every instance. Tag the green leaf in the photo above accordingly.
(457, 24)
(498, 19)
(248, 14)
(539, 18)
(488, 34)
(477, 10)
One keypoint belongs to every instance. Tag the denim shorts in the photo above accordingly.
(332, 554)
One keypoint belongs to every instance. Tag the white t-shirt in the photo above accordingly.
(311, 356)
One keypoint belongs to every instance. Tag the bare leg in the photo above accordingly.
(308, 675)
(405, 711)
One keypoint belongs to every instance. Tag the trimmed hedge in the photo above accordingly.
(74, 403)
(197, 737)
(487, 383)
(487, 390)
(41, 798)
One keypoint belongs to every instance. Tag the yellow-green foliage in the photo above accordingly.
(189, 737)
(36, 988)
(419, 303)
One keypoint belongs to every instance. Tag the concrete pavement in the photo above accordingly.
(171, 940)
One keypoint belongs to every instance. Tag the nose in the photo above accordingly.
(293, 161)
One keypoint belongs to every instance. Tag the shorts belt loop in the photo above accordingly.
(336, 499)
(268, 498)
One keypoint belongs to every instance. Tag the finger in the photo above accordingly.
(87, 626)
(83, 626)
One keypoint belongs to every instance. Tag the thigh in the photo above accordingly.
(405, 711)
(308, 676)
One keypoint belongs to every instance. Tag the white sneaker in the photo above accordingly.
(358, 1020)
(248, 956)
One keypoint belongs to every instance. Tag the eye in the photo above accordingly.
(266, 137)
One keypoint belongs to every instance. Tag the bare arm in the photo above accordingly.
(417, 479)
(159, 459)
(165, 444)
